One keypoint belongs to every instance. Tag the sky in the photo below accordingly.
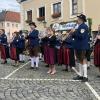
(9, 5)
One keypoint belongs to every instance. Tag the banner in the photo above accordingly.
(62, 27)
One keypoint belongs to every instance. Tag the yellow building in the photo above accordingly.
(48, 12)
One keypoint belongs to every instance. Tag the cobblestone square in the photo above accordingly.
(23, 83)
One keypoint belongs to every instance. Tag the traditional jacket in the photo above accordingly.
(81, 37)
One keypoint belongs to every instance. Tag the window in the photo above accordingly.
(57, 8)
(29, 15)
(8, 24)
(74, 7)
(42, 12)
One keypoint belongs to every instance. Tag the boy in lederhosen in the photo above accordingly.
(81, 45)
(33, 45)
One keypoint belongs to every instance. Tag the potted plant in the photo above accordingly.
(41, 18)
(56, 15)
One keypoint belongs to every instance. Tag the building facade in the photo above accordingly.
(48, 12)
(10, 21)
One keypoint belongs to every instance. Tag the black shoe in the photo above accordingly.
(46, 65)
(88, 67)
(85, 79)
(32, 68)
(21, 61)
(65, 70)
(78, 78)
(98, 76)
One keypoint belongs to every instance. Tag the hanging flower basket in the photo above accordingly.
(41, 18)
(56, 15)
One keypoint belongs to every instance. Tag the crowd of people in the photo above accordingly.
(67, 48)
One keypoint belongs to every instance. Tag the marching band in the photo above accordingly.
(57, 48)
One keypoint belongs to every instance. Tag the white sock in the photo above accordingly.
(40, 55)
(80, 69)
(32, 61)
(85, 70)
(20, 57)
(88, 63)
(37, 61)
(23, 57)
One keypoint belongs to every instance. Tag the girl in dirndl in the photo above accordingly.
(68, 47)
(97, 50)
(51, 51)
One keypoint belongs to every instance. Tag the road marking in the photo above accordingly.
(27, 79)
(93, 91)
(16, 70)
(90, 87)
(75, 70)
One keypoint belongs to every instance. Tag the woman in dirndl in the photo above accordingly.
(4, 46)
(51, 51)
(97, 50)
(14, 48)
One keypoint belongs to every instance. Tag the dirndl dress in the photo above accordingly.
(46, 49)
(13, 53)
(51, 55)
(66, 56)
(4, 52)
(97, 54)
(60, 56)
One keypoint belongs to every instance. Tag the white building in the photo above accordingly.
(10, 21)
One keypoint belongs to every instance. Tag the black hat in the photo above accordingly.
(83, 17)
(32, 23)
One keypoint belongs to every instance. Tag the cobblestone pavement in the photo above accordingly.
(22, 83)
(44, 90)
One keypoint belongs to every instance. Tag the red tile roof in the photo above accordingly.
(10, 16)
